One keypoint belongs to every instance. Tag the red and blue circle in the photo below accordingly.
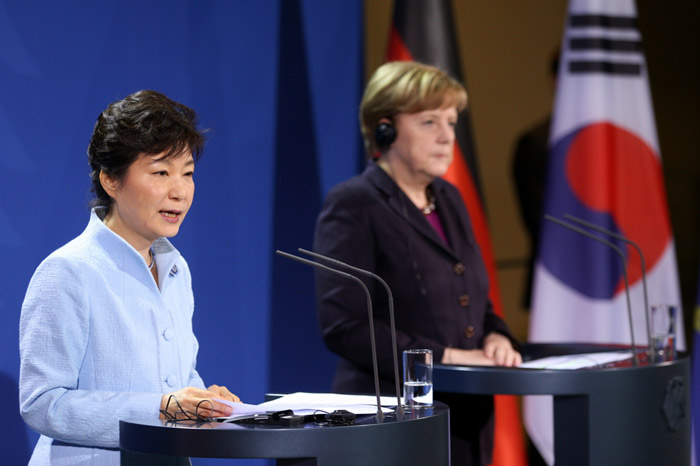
(609, 176)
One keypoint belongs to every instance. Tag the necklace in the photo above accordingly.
(431, 205)
(153, 259)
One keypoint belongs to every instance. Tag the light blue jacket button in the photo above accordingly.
(168, 334)
(171, 380)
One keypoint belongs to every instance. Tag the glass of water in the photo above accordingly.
(663, 332)
(418, 378)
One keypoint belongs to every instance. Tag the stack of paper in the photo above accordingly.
(577, 361)
(309, 403)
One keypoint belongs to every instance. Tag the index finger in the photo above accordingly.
(227, 395)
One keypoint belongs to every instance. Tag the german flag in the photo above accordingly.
(423, 31)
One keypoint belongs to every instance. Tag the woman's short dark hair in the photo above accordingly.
(145, 122)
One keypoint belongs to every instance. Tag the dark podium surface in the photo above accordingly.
(420, 438)
(617, 414)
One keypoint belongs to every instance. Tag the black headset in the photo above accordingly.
(384, 136)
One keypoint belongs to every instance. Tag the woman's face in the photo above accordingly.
(424, 143)
(152, 199)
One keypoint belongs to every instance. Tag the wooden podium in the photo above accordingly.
(420, 438)
(619, 414)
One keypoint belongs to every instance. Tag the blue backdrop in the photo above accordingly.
(278, 84)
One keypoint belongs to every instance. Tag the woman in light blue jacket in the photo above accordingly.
(106, 325)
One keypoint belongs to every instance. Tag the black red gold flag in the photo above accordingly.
(423, 31)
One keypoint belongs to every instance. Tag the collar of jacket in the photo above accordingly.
(401, 204)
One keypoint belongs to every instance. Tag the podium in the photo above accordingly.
(420, 438)
(619, 414)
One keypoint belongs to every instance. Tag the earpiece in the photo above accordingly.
(384, 135)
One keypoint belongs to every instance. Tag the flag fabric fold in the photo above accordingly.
(605, 168)
(423, 31)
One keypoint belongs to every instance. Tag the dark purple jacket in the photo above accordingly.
(440, 291)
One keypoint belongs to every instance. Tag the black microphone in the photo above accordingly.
(600, 229)
(624, 271)
(392, 324)
(380, 413)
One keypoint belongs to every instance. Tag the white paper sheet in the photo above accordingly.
(307, 403)
(303, 403)
(241, 410)
(577, 361)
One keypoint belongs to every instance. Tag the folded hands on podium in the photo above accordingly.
(497, 351)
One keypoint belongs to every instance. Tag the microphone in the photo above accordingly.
(600, 229)
(392, 324)
(624, 271)
(380, 413)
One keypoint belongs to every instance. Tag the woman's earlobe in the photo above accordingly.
(107, 183)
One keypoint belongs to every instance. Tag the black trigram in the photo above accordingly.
(630, 47)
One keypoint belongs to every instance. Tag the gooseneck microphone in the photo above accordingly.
(392, 324)
(583, 232)
(600, 229)
(380, 413)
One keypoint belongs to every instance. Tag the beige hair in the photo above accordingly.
(406, 87)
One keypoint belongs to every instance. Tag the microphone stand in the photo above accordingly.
(399, 404)
(380, 413)
(624, 272)
(600, 229)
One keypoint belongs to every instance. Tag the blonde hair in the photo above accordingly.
(406, 87)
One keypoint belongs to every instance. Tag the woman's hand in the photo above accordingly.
(193, 400)
(475, 357)
(223, 393)
(499, 349)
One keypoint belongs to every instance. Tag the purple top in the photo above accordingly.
(434, 220)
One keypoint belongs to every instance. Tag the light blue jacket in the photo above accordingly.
(100, 342)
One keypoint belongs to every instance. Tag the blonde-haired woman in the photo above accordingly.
(400, 220)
